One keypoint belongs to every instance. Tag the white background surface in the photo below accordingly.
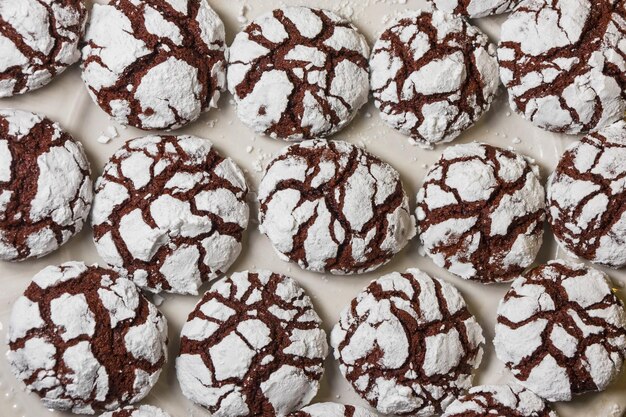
(66, 101)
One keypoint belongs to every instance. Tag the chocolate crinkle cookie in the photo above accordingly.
(45, 186)
(142, 411)
(170, 212)
(85, 339)
(481, 212)
(332, 410)
(155, 64)
(298, 73)
(561, 330)
(253, 346)
(587, 197)
(433, 76)
(563, 63)
(499, 400)
(475, 8)
(332, 207)
(408, 344)
(38, 41)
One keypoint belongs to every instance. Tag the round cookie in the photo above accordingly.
(332, 410)
(38, 41)
(408, 344)
(85, 339)
(45, 186)
(475, 8)
(561, 330)
(433, 76)
(253, 346)
(142, 411)
(155, 64)
(499, 400)
(170, 212)
(298, 73)
(563, 63)
(481, 212)
(332, 207)
(587, 197)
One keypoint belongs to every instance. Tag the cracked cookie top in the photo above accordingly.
(499, 400)
(332, 207)
(298, 73)
(587, 197)
(170, 212)
(85, 339)
(253, 346)
(563, 63)
(475, 8)
(332, 410)
(38, 40)
(561, 330)
(408, 344)
(45, 186)
(433, 76)
(142, 411)
(481, 212)
(155, 64)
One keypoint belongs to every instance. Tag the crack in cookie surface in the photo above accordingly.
(564, 63)
(45, 186)
(332, 410)
(390, 342)
(481, 212)
(476, 8)
(141, 411)
(561, 330)
(170, 212)
(299, 73)
(331, 206)
(155, 64)
(587, 197)
(85, 339)
(253, 346)
(433, 76)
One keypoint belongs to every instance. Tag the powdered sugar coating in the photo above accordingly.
(298, 73)
(71, 330)
(38, 41)
(157, 64)
(331, 206)
(253, 346)
(45, 186)
(499, 400)
(433, 76)
(481, 211)
(142, 411)
(170, 212)
(408, 344)
(563, 63)
(587, 197)
(562, 330)
(475, 8)
(332, 410)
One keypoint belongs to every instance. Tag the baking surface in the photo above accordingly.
(66, 101)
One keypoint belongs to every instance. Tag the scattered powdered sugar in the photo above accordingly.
(155, 65)
(253, 346)
(562, 75)
(499, 400)
(73, 327)
(587, 197)
(332, 410)
(408, 344)
(170, 212)
(142, 411)
(45, 186)
(331, 206)
(433, 76)
(562, 331)
(475, 8)
(39, 40)
(481, 211)
(298, 72)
